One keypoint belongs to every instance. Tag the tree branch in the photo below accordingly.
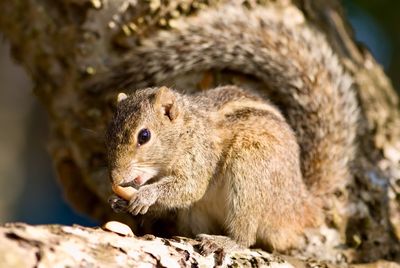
(23, 245)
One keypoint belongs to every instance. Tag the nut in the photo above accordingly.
(124, 192)
(118, 227)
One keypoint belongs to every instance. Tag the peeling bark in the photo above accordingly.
(24, 245)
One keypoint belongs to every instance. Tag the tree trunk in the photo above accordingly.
(67, 44)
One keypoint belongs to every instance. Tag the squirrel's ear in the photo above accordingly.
(121, 96)
(165, 101)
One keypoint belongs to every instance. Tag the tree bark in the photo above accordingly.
(65, 44)
(75, 246)
(43, 246)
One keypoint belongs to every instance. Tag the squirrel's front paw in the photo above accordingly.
(142, 200)
(118, 204)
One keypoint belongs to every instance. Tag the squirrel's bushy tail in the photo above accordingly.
(292, 59)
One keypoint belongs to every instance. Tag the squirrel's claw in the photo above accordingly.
(118, 204)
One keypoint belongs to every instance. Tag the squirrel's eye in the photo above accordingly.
(143, 136)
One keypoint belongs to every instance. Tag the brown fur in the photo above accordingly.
(227, 168)
(297, 65)
(294, 61)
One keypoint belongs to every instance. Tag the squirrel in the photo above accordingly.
(227, 160)
(297, 65)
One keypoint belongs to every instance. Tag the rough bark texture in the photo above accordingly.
(66, 44)
(24, 245)
(76, 246)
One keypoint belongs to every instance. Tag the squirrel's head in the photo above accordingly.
(142, 135)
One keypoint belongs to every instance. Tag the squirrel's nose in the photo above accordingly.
(113, 175)
(116, 177)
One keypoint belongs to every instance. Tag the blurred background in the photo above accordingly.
(28, 187)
